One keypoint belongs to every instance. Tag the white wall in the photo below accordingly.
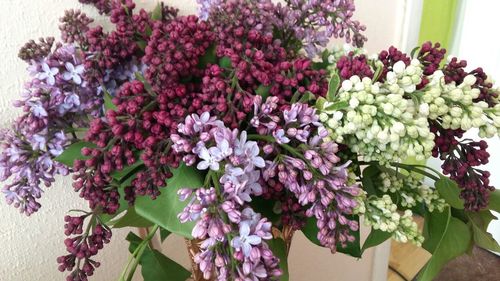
(478, 42)
(29, 246)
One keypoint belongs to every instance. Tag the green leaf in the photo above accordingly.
(119, 175)
(454, 242)
(74, 152)
(449, 190)
(266, 208)
(479, 223)
(278, 246)
(142, 44)
(434, 228)
(108, 101)
(375, 238)
(337, 106)
(310, 230)
(164, 234)
(208, 58)
(306, 97)
(494, 201)
(155, 266)
(414, 51)
(134, 241)
(157, 13)
(225, 62)
(333, 86)
(370, 175)
(378, 72)
(132, 219)
(263, 91)
(295, 97)
(320, 103)
(165, 208)
(353, 249)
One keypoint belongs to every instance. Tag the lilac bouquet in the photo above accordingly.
(237, 127)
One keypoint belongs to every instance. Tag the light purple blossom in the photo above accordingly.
(312, 173)
(48, 73)
(39, 135)
(222, 216)
(208, 160)
(280, 136)
(206, 6)
(245, 240)
(73, 72)
(37, 109)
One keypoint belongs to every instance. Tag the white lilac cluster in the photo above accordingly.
(411, 191)
(379, 122)
(454, 105)
(382, 214)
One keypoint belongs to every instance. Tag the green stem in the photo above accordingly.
(412, 168)
(135, 258)
(261, 138)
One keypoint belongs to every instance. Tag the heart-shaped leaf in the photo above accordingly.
(73, 152)
(155, 266)
(494, 203)
(453, 243)
(375, 238)
(479, 222)
(333, 86)
(449, 190)
(165, 208)
(132, 219)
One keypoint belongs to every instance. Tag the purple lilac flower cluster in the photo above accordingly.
(314, 22)
(56, 99)
(307, 166)
(300, 21)
(460, 161)
(83, 246)
(232, 234)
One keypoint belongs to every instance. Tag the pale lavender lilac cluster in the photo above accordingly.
(307, 166)
(314, 22)
(55, 99)
(232, 234)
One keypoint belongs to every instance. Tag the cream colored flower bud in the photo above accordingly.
(399, 67)
(388, 108)
(456, 111)
(355, 79)
(477, 122)
(337, 115)
(353, 102)
(424, 109)
(347, 85)
(323, 117)
(469, 80)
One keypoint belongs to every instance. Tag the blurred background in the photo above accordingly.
(29, 246)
